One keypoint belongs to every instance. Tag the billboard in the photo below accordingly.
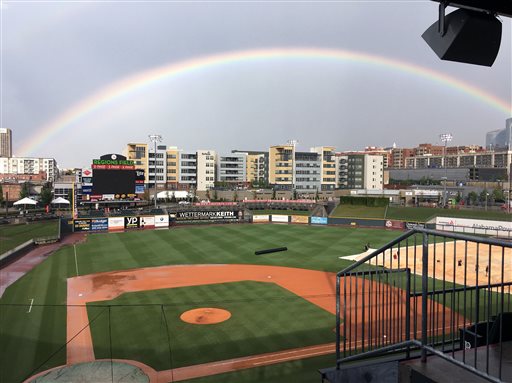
(99, 224)
(300, 219)
(391, 224)
(147, 222)
(319, 220)
(201, 216)
(474, 226)
(115, 223)
(81, 225)
(260, 218)
(131, 222)
(279, 218)
(161, 220)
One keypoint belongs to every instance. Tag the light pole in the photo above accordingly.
(154, 139)
(445, 137)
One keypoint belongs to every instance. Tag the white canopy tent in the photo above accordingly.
(178, 194)
(60, 200)
(25, 201)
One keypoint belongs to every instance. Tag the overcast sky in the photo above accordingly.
(56, 55)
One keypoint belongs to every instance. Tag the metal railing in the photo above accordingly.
(430, 292)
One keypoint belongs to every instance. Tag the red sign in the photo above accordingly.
(114, 167)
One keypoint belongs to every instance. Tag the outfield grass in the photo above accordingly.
(14, 235)
(265, 318)
(415, 214)
(28, 340)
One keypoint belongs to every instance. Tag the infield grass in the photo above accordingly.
(264, 318)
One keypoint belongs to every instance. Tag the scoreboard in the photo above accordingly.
(112, 177)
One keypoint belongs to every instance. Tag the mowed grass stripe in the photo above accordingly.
(265, 318)
(26, 346)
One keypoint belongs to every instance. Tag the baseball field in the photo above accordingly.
(132, 296)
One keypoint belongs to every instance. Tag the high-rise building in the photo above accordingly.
(5, 142)
(500, 139)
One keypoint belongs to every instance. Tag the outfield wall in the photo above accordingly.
(474, 226)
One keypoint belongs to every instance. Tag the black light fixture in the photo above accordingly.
(465, 35)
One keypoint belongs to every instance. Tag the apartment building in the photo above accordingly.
(399, 157)
(327, 166)
(308, 171)
(257, 167)
(154, 164)
(187, 172)
(281, 166)
(173, 167)
(232, 169)
(205, 175)
(360, 171)
(28, 165)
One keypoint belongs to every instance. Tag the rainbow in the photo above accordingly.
(138, 81)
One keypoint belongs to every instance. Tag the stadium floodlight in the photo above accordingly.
(466, 35)
(154, 138)
(445, 137)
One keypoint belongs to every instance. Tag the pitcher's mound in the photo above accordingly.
(205, 315)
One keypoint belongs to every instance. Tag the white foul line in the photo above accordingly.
(31, 303)
(76, 262)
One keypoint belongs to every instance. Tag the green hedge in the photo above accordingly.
(364, 201)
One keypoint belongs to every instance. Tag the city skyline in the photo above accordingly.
(81, 80)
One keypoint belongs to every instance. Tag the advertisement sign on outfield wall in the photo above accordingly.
(131, 222)
(202, 216)
(260, 218)
(161, 221)
(116, 223)
(391, 224)
(81, 225)
(319, 220)
(279, 218)
(300, 219)
(147, 222)
(474, 226)
(99, 224)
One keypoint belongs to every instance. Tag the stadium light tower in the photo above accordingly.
(154, 139)
(445, 137)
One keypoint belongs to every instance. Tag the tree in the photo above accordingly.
(484, 195)
(1, 195)
(46, 194)
(235, 196)
(215, 196)
(25, 190)
(473, 197)
(498, 195)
